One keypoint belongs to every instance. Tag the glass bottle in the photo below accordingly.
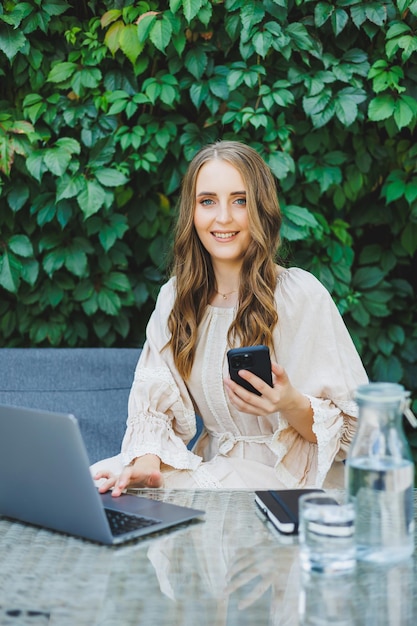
(380, 475)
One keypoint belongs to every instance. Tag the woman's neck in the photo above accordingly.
(227, 286)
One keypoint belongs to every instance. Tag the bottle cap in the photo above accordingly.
(385, 393)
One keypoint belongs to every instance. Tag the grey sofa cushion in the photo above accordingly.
(91, 383)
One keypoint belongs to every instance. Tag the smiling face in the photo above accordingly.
(220, 215)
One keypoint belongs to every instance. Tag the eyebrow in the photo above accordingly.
(212, 193)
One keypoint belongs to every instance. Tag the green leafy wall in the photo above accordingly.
(102, 104)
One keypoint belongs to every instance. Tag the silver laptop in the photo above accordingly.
(45, 480)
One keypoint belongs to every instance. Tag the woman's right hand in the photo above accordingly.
(144, 472)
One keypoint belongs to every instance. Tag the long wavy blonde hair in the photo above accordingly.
(256, 314)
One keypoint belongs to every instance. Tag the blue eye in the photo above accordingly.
(206, 201)
(241, 201)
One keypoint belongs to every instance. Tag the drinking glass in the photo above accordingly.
(326, 530)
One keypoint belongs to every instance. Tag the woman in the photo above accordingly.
(227, 291)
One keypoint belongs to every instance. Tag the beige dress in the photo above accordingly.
(237, 450)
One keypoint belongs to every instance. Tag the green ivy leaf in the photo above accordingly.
(112, 36)
(199, 93)
(339, 19)
(411, 191)
(21, 245)
(174, 5)
(396, 334)
(62, 72)
(17, 197)
(115, 229)
(322, 12)
(55, 7)
(34, 106)
(53, 261)
(91, 199)
(405, 111)
(158, 251)
(373, 306)
(35, 164)
(381, 108)
(11, 41)
(117, 282)
(191, 8)
(64, 213)
(69, 187)
(395, 186)
(129, 42)
(168, 94)
(252, 13)
(376, 13)
(196, 61)
(76, 261)
(300, 215)
(109, 177)
(145, 23)
(86, 78)
(385, 345)
(152, 89)
(360, 314)
(300, 36)
(409, 238)
(317, 104)
(262, 42)
(56, 160)
(109, 17)
(281, 164)
(10, 269)
(346, 108)
(160, 33)
(108, 301)
(387, 369)
(179, 42)
(367, 277)
(218, 86)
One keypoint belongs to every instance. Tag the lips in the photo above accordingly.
(224, 236)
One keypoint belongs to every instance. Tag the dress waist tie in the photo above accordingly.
(227, 441)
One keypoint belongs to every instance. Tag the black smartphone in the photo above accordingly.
(255, 359)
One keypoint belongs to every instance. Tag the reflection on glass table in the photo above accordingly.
(231, 569)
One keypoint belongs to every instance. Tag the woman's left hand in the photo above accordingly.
(282, 397)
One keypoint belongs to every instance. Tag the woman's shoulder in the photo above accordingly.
(166, 297)
(295, 281)
(168, 287)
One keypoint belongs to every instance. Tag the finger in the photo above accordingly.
(246, 401)
(106, 485)
(245, 406)
(118, 489)
(155, 479)
(129, 479)
(102, 474)
(124, 479)
(278, 371)
(237, 392)
(256, 382)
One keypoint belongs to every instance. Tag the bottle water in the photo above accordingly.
(380, 476)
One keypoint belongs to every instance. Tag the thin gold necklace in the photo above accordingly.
(224, 295)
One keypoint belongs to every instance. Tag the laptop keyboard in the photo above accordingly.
(121, 523)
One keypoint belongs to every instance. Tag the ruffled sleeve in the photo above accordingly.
(161, 417)
(314, 346)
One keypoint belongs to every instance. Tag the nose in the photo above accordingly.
(224, 214)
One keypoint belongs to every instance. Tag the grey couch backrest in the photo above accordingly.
(91, 383)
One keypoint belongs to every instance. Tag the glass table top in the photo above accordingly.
(230, 568)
